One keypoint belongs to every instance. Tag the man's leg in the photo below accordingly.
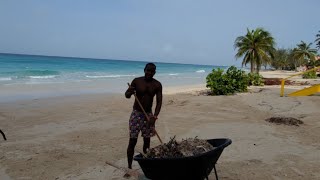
(146, 144)
(130, 151)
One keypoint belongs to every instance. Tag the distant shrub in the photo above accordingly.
(310, 75)
(255, 79)
(232, 81)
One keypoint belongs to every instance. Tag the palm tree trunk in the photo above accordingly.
(252, 67)
(258, 68)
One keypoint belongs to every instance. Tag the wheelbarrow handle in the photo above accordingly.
(145, 114)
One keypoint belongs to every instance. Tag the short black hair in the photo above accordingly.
(150, 64)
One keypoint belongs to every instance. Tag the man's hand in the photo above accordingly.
(152, 120)
(131, 90)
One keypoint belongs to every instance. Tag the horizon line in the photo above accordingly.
(75, 57)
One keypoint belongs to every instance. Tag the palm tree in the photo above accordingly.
(318, 40)
(303, 53)
(257, 47)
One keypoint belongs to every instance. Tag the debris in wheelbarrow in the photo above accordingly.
(175, 149)
(197, 167)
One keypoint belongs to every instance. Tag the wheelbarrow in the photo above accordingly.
(196, 167)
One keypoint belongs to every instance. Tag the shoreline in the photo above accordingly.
(44, 91)
(18, 92)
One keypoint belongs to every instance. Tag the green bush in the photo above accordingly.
(232, 81)
(255, 79)
(310, 75)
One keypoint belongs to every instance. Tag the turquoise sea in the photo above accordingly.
(30, 69)
(33, 76)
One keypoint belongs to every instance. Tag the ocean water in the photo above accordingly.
(29, 76)
(29, 69)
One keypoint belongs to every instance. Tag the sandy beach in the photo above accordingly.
(72, 137)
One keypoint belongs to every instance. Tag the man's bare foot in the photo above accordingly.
(126, 175)
(131, 172)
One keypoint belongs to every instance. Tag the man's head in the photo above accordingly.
(149, 71)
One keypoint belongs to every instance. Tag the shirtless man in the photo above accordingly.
(146, 88)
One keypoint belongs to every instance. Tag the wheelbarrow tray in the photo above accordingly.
(193, 167)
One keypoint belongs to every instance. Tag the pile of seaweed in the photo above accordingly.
(285, 120)
(174, 149)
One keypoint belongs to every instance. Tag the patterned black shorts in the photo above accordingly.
(137, 123)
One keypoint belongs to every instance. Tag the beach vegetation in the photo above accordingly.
(225, 83)
(256, 48)
(304, 54)
(310, 75)
(255, 79)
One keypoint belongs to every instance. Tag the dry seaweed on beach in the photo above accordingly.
(185, 148)
(277, 81)
(285, 120)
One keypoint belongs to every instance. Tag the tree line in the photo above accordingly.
(257, 48)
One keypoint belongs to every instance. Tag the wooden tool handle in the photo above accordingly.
(4, 136)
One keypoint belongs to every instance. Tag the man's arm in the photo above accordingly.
(130, 89)
(159, 101)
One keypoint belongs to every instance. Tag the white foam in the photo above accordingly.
(201, 71)
(173, 74)
(42, 77)
(5, 79)
(110, 76)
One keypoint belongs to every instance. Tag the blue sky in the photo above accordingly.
(180, 31)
